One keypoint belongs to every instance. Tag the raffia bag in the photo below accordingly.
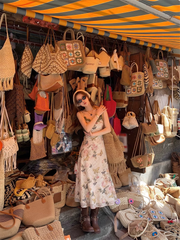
(52, 231)
(162, 67)
(142, 160)
(35, 153)
(119, 96)
(50, 83)
(115, 155)
(27, 61)
(49, 60)
(121, 203)
(7, 66)
(72, 51)
(59, 190)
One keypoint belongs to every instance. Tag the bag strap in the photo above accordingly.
(160, 51)
(147, 97)
(12, 215)
(72, 34)
(80, 35)
(4, 17)
(156, 109)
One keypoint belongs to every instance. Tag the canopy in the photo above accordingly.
(153, 23)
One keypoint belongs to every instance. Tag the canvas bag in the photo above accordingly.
(7, 59)
(162, 67)
(109, 102)
(142, 160)
(137, 83)
(119, 96)
(72, 51)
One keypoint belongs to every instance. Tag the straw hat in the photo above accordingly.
(82, 91)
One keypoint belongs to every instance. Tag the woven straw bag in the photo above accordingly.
(162, 67)
(59, 190)
(26, 61)
(35, 153)
(51, 231)
(137, 83)
(72, 51)
(119, 96)
(7, 66)
(126, 216)
(153, 233)
(50, 83)
(129, 121)
(121, 203)
(49, 59)
(137, 228)
(124, 177)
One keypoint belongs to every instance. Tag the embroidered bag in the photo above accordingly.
(137, 83)
(157, 83)
(7, 66)
(72, 51)
(162, 67)
(49, 59)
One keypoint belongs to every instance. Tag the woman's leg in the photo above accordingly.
(85, 220)
(94, 219)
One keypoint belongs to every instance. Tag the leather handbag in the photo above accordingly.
(142, 160)
(137, 83)
(72, 51)
(49, 59)
(51, 231)
(109, 102)
(39, 212)
(10, 220)
(162, 67)
(7, 66)
(129, 121)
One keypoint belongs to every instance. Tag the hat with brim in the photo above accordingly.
(39, 125)
(81, 91)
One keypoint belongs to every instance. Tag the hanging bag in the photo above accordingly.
(7, 66)
(109, 102)
(117, 125)
(72, 51)
(129, 121)
(103, 58)
(142, 160)
(137, 83)
(162, 67)
(26, 62)
(49, 59)
(51, 123)
(119, 96)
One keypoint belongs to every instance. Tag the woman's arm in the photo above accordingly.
(89, 125)
(106, 129)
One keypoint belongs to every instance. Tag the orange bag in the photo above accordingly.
(42, 104)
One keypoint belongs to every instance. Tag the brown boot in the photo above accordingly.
(94, 220)
(85, 220)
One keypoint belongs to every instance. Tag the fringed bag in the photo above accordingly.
(115, 155)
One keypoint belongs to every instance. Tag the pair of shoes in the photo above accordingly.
(90, 224)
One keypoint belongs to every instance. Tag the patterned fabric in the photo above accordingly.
(94, 186)
(26, 62)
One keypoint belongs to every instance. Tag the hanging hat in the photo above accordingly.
(82, 91)
(38, 125)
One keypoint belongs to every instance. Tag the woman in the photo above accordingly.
(94, 186)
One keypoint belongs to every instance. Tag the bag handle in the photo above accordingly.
(72, 34)
(160, 51)
(4, 17)
(132, 65)
(156, 109)
(147, 97)
(80, 35)
(12, 215)
(49, 227)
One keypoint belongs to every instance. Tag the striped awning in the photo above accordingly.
(153, 23)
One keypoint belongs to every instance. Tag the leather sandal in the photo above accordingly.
(94, 220)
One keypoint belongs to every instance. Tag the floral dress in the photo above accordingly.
(94, 186)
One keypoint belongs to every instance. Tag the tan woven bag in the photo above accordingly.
(49, 59)
(7, 66)
(26, 62)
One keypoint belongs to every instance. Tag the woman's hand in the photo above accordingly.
(100, 110)
(88, 133)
